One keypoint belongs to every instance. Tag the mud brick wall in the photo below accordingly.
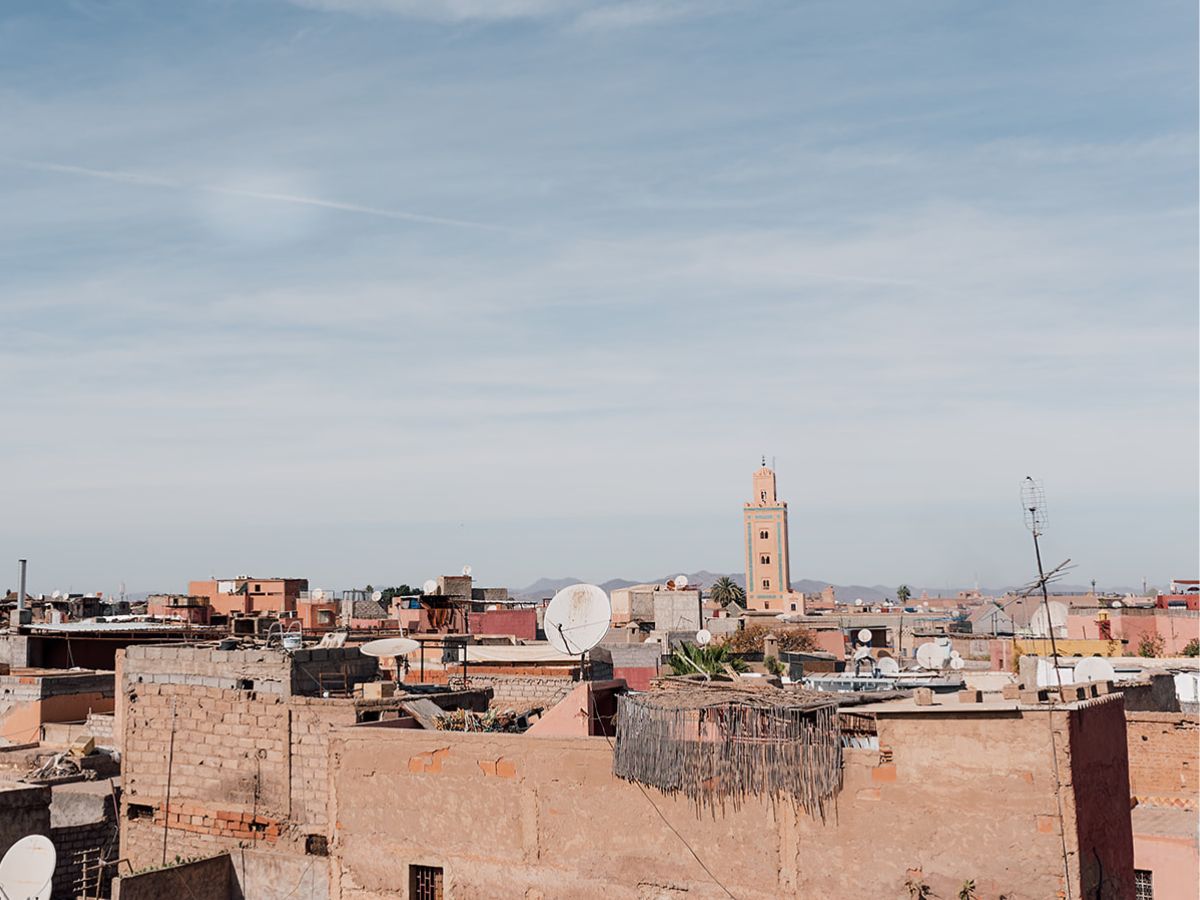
(1163, 766)
(24, 809)
(521, 691)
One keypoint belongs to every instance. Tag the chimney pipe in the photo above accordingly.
(20, 586)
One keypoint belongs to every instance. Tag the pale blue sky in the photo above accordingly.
(364, 290)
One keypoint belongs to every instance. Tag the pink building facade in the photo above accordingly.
(768, 568)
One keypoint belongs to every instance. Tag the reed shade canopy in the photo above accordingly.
(722, 742)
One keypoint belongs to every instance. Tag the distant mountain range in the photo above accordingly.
(548, 587)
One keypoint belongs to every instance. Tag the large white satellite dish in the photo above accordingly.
(1058, 619)
(681, 581)
(864, 635)
(887, 666)
(577, 618)
(27, 868)
(1095, 668)
(390, 647)
(931, 656)
(377, 596)
(429, 587)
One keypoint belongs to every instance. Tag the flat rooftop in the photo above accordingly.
(950, 704)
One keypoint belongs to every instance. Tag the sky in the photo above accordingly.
(366, 290)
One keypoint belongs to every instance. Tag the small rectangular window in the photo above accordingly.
(138, 811)
(793, 607)
(1143, 884)
(766, 584)
(258, 589)
(764, 534)
(425, 883)
(764, 559)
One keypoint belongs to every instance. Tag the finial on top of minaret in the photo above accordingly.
(764, 460)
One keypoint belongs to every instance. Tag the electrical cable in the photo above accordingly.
(650, 800)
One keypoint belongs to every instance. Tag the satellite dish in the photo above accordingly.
(887, 666)
(957, 663)
(1094, 668)
(429, 587)
(56, 594)
(930, 656)
(27, 868)
(1117, 604)
(954, 654)
(703, 637)
(390, 647)
(864, 635)
(681, 581)
(318, 594)
(466, 571)
(862, 652)
(858, 602)
(1058, 619)
(377, 596)
(577, 618)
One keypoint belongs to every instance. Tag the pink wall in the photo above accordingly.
(521, 623)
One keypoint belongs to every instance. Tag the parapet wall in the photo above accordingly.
(1164, 758)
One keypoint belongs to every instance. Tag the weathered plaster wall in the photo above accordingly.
(955, 797)
(1164, 758)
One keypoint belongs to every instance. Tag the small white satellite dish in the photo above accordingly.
(681, 581)
(957, 663)
(390, 647)
(377, 596)
(318, 594)
(56, 594)
(429, 587)
(858, 602)
(887, 666)
(930, 656)
(1117, 604)
(577, 618)
(862, 652)
(466, 571)
(703, 637)
(864, 635)
(1095, 668)
(27, 868)
(954, 654)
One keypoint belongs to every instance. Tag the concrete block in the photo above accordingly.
(923, 697)
(970, 696)
(1011, 692)
(1033, 698)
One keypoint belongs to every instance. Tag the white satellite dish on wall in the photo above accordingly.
(577, 618)
(1095, 668)
(703, 637)
(390, 647)
(429, 587)
(864, 635)
(27, 868)
(377, 596)
(681, 581)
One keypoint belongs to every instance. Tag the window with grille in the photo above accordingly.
(425, 882)
(1143, 884)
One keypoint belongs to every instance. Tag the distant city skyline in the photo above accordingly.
(364, 290)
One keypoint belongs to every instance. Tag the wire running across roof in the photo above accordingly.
(720, 742)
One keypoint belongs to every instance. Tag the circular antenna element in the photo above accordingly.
(930, 656)
(957, 663)
(1095, 668)
(56, 594)
(390, 647)
(577, 618)
(887, 666)
(377, 596)
(864, 636)
(27, 868)
(703, 637)
(429, 587)
(681, 581)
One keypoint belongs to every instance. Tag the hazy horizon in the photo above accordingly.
(365, 290)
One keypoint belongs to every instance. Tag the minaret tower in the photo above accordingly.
(768, 573)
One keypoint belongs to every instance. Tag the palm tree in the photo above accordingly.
(725, 591)
(903, 593)
(690, 659)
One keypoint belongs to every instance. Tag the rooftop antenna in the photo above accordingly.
(577, 620)
(1033, 501)
(27, 868)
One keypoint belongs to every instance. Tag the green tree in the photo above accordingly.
(402, 590)
(1192, 648)
(1150, 645)
(725, 591)
(903, 593)
(690, 659)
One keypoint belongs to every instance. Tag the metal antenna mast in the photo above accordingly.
(1033, 501)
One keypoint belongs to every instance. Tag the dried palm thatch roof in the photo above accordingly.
(719, 742)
